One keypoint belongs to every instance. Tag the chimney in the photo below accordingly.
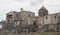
(21, 9)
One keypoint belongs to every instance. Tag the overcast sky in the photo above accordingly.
(53, 6)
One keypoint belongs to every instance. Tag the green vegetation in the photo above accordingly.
(33, 33)
(43, 33)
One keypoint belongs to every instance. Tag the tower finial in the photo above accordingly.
(43, 7)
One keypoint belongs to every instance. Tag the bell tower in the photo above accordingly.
(42, 12)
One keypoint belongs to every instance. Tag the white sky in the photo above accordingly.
(53, 6)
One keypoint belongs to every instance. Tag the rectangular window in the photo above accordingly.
(16, 15)
(28, 15)
(20, 23)
(46, 17)
(59, 16)
(55, 17)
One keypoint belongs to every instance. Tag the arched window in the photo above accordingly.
(34, 23)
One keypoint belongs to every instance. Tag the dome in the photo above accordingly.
(43, 11)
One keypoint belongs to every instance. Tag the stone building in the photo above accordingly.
(44, 19)
(21, 19)
(52, 20)
(24, 17)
